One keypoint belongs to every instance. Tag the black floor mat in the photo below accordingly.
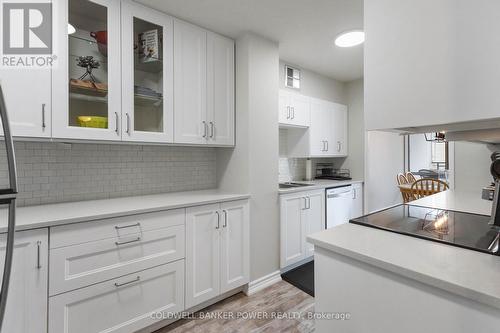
(301, 277)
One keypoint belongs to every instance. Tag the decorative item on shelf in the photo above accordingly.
(93, 121)
(89, 64)
(149, 46)
(88, 87)
(101, 38)
(147, 96)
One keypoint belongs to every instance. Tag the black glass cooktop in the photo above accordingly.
(465, 230)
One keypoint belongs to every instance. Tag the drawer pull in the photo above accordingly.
(38, 263)
(129, 282)
(138, 224)
(128, 242)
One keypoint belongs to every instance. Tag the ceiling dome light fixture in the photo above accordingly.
(350, 38)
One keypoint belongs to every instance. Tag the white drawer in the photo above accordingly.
(78, 233)
(84, 264)
(122, 305)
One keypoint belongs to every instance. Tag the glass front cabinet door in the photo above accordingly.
(147, 55)
(86, 83)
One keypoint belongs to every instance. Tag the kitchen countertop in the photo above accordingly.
(318, 184)
(469, 202)
(42, 216)
(470, 274)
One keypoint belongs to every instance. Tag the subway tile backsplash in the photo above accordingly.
(51, 172)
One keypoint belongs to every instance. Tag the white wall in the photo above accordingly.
(252, 165)
(316, 85)
(472, 167)
(355, 102)
(420, 153)
(384, 160)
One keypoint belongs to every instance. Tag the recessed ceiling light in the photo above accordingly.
(71, 29)
(350, 38)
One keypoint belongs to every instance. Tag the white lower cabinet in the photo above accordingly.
(120, 305)
(357, 200)
(81, 265)
(301, 214)
(119, 271)
(26, 310)
(217, 250)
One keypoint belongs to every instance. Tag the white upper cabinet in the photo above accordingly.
(127, 73)
(220, 89)
(190, 84)
(326, 135)
(28, 99)
(203, 86)
(443, 71)
(147, 56)
(340, 132)
(28, 117)
(294, 109)
(86, 83)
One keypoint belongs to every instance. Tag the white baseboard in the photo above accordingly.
(297, 264)
(261, 283)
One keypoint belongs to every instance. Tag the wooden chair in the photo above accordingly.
(403, 180)
(411, 178)
(427, 186)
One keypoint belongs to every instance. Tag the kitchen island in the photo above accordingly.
(379, 281)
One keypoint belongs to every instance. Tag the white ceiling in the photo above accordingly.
(305, 29)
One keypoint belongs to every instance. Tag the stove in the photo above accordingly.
(470, 231)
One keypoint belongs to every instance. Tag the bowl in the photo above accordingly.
(93, 121)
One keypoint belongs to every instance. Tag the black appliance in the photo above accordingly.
(470, 231)
(327, 171)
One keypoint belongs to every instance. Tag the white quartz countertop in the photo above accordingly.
(42, 216)
(318, 184)
(469, 202)
(460, 271)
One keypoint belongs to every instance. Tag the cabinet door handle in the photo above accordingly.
(43, 117)
(218, 219)
(128, 123)
(354, 194)
(293, 112)
(204, 123)
(287, 112)
(327, 146)
(212, 131)
(38, 250)
(308, 202)
(339, 146)
(128, 242)
(225, 218)
(138, 278)
(116, 126)
(138, 224)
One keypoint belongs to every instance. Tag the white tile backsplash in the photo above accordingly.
(51, 172)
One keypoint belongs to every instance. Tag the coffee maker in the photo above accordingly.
(495, 172)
